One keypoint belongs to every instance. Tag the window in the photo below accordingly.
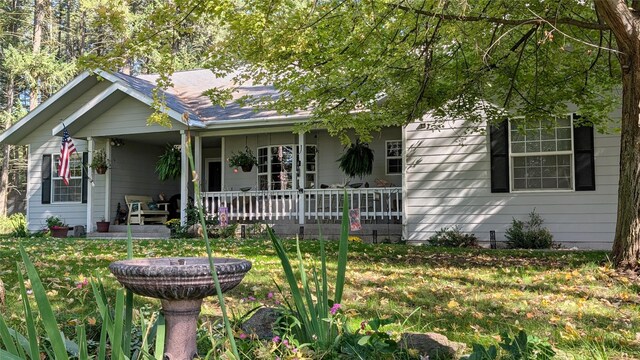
(394, 156)
(276, 165)
(542, 157)
(67, 193)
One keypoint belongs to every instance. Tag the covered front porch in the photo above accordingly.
(295, 182)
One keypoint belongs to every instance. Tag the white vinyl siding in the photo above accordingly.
(448, 183)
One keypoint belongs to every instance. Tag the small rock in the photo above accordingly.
(261, 323)
(433, 345)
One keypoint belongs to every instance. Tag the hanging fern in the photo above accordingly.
(169, 164)
(357, 160)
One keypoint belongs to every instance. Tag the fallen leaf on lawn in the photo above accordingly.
(453, 304)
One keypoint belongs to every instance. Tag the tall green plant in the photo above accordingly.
(115, 334)
(196, 191)
(311, 302)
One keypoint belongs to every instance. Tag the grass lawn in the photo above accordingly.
(573, 299)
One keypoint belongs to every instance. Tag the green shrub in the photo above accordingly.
(19, 224)
(520, 347)
(452, 237)
(530, 234)
(14, 225)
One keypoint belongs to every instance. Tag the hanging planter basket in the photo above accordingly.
(243, 159)
(357, 160)
(99, 162)
(169, 164)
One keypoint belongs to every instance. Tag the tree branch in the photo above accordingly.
(514, 22)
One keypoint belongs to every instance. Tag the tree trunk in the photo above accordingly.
(626, 245)
(39, 8)
(625, 25)
(6, 151)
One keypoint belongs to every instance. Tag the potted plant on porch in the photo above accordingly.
(57, 227)
(169, 165)
(102, 226)
(99, 162)
(243, 159)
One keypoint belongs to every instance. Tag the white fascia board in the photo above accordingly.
(116, 86)
(261, 121)
(42, 107)
(145, 99)
(149, 101)
(83, 110)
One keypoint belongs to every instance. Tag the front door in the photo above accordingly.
(214, 178)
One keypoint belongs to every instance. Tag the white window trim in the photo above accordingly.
(387, 157)
(564, 152)
(54, 177)
(294, 171)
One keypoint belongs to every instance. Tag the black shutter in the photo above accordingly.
(584, 157)
(46, 179)
(499, 138)
(85, 176)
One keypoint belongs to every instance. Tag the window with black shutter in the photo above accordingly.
(499, 138)
(536, 157)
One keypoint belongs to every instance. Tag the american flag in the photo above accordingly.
(66, 149)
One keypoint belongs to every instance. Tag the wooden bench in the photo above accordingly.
(139, 211)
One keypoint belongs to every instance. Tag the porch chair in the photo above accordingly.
(143, 209)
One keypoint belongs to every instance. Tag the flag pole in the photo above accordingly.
(84, 166)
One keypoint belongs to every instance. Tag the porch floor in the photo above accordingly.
(137, 232)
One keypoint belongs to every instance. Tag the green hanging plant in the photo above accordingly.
(169, 164)
(357, 160)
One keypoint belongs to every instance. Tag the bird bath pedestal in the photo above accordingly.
(180, 284)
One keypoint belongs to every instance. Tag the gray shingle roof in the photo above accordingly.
(186, 94)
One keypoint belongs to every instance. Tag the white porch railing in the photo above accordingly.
(254, 205)
(375, 204)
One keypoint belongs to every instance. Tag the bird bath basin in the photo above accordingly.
(180, 284)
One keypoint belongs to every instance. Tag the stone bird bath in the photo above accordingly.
(180, 284)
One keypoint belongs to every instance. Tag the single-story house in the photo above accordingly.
(422, 179)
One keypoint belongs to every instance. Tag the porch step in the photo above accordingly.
(137, 232)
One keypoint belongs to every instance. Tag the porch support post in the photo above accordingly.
(197, 142)
(302, 160)
(184, 176)
(107, 183)
(223, 163)
(90, 146)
